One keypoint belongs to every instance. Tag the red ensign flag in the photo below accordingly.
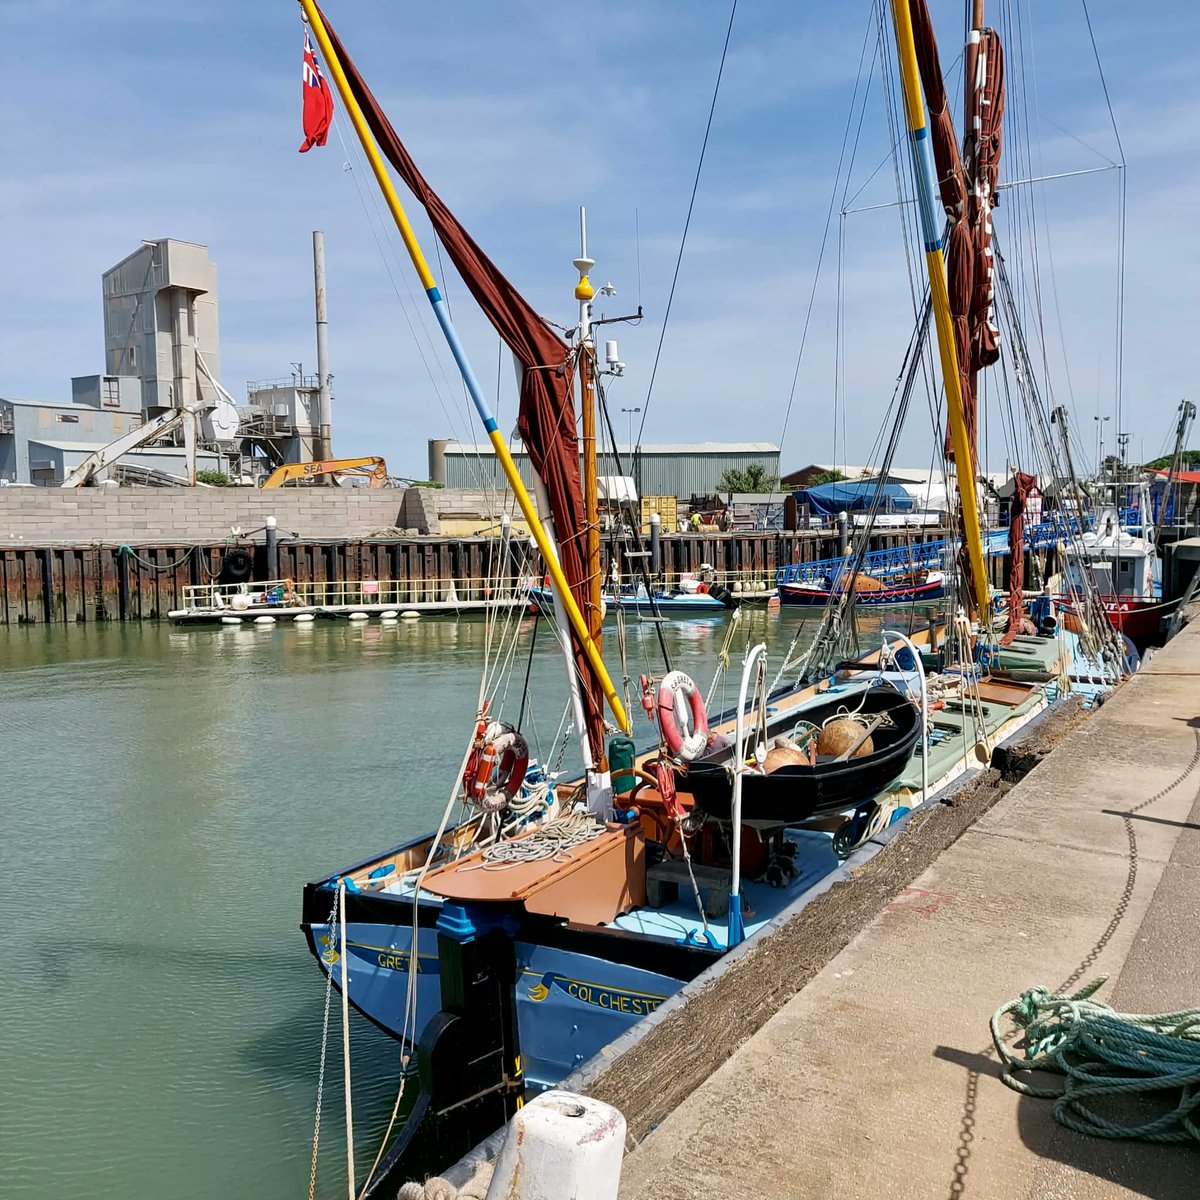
(318, 101)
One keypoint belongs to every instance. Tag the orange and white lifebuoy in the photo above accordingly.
(681, 716)
(497, 766)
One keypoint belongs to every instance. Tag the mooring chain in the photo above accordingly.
(1131, 876)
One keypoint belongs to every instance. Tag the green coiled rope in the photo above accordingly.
(1103, 1054)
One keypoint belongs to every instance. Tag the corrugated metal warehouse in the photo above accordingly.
(680, 469)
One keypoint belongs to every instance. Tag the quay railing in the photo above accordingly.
(396, 593)
(367, 593)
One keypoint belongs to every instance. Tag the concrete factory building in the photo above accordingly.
(43, 441)
(679, 469)
(162, 354)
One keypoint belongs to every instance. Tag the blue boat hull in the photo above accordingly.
(569, 1005)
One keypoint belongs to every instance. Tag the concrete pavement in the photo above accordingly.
(877, 1079)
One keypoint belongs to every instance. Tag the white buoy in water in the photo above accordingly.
(304, 618)
(231, 620)
(389, 614)
(561, 1144)
(410, 614)
(358, 616)
(264, 620)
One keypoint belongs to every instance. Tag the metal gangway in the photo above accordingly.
(917, 556)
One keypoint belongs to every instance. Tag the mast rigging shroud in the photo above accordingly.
(547, 410)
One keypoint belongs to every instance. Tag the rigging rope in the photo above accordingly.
(787, 412)
(316, 1143)
(687, 222)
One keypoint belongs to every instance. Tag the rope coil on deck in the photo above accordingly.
(554, 840)
(1104, 1054)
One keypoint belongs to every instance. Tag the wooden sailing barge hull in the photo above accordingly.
(813, 597)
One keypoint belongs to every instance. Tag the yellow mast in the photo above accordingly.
(964, 460)
(524, 502)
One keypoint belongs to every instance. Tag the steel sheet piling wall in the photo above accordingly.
(84, 583)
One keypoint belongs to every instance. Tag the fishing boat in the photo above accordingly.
(1124, 567)
(545, 915)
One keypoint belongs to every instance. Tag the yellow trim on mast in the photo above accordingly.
(524, 502)
(964, 460)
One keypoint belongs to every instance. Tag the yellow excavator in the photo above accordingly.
(374, 468)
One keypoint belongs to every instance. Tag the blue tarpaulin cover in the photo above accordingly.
(829, 499)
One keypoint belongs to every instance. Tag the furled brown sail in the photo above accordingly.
(1023, 485)
(968, 191)
(981, 162)
(547, 414)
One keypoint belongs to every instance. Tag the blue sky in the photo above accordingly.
(135, 118)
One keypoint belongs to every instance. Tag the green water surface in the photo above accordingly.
(165, 794)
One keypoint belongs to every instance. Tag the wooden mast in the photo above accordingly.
(594, 607)
(972, 123)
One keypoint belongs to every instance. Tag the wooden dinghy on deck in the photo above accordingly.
(800, 791)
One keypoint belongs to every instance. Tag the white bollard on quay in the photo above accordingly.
(561, 1145)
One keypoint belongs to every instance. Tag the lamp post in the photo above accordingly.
(637, 475)
(1100, 443)
(631, 411)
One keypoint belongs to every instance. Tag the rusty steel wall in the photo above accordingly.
(76, 583)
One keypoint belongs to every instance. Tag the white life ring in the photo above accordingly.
(681, 715)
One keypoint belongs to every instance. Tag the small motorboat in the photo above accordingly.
(710, 600)
(827, 784)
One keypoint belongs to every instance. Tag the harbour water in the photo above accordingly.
(166, 793)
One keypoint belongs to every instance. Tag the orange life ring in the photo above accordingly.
(497, 766)
(680, 705)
